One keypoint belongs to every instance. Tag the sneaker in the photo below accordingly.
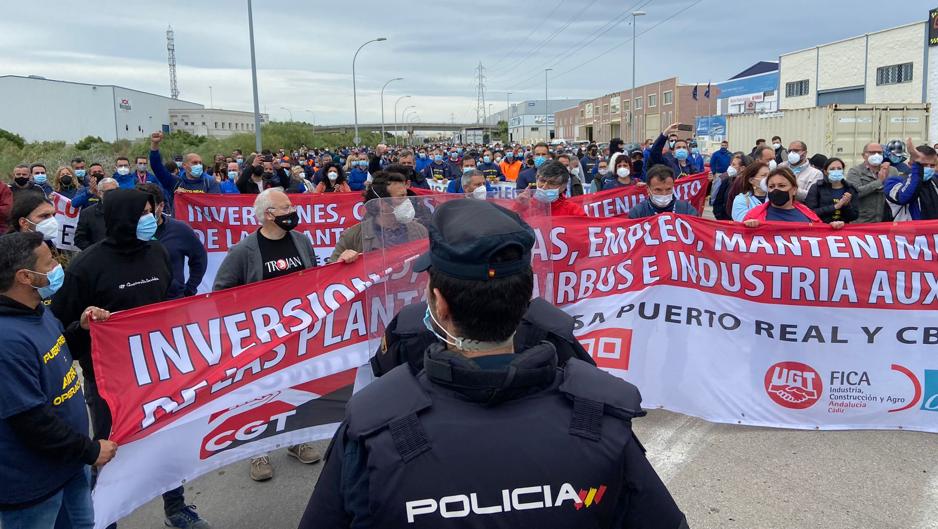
(187, 518)
(261, 469)
(305, 453)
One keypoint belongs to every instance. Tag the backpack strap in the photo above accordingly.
(596, 393)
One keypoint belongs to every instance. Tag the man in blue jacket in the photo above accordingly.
(720, 160)
(914, 197)
(182, 244)
(661, 197)
(191, 178)
(422, 160)
(489, 168)
(43, 422)
(677, 161)
(528, 176)
(438, 169)
(696, 159)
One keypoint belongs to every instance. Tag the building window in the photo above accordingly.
(605, 109)
(652, 100)
(626, 105)
(796, 88)
(895, 74)
(535, 129)
(667, 98)
(175, 123)
(638, 103)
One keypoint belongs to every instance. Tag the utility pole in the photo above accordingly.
(257, 108)
(171, 55)
(480, 94)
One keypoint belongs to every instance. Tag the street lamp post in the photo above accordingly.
(404, 112)
(288, 110)
(313, 114)
(410, 136)
(546, 105)
(358, 138)
(635, 14)
(382, 103)
(257, 107)
(395, 115)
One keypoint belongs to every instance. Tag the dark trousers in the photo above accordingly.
(173, 501)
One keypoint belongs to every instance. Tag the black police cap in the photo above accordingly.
(466, 233)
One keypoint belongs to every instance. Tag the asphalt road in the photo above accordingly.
(722, 476)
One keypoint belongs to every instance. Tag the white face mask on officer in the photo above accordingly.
(404, 212)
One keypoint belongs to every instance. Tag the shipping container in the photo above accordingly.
(836, 130)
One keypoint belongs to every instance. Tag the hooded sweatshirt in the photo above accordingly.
(119, 273)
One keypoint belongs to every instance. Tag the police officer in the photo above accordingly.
(488, 435)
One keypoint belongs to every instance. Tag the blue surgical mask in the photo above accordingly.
(178, 164)
(486, 159)
(232, 175)
(509, 155)
(146, 227)
(835, 175)
(423, 155)
(453, 155)
(929, 173)
(80, 173)
(437, 157)
(466, 170)
(56, 277)
(196, 170)
(546, 195)
(680, 154)
(40, 178)
(429, 320)
(459, 150)
(539, 160)
(896, 159)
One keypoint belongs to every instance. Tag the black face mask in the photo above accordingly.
(21, 180)
(257, 170)
(66, 180)
(778, 197)
(287, 221)
(268, 176)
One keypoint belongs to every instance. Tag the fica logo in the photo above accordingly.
(793, 385)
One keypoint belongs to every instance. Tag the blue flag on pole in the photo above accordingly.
(707, 93)
(694, 93)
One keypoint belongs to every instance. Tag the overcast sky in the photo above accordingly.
(305, 47)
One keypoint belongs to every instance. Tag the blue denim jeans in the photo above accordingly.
(70, 507)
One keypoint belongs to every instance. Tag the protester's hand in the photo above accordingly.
(641, 184)
(256, 161)
(751, 223)
(837, 224)
(845, 199)
(349, 256)
(108, 451)
(155, 140)
(93, 314)
(671, 128)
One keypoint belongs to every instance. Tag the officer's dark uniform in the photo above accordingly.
(465, 443)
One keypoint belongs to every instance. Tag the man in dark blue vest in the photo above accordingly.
(487, 434)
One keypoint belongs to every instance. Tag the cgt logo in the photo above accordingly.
(520, 499)
(793, 385)
(610, 348)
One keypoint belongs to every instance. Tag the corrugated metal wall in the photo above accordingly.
(837, 130)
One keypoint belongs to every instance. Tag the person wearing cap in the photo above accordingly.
(437, 448)
(695, 159)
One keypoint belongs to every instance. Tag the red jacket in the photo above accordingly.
(6, 207)
(760, 212)
(562, 206)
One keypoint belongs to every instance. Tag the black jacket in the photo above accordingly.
(119, 273)
(821, 201)
(91, 228)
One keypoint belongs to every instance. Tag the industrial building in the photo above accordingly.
(40, 109)
(652, 106)
(531, 121)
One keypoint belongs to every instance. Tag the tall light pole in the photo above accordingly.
(508, 111)
(382, 103)
(413, 114)
(546, 105)
(314, 116)
(358, 138)
(635, 14)
(404, 112)
(288, 110)
(257, 106)
(395, 115)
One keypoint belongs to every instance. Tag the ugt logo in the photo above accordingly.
(793, 385)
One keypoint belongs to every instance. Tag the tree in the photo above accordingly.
(13, 138)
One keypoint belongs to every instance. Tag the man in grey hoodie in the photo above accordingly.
(273, 250)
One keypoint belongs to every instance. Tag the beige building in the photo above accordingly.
(884, 67)
(213, 122)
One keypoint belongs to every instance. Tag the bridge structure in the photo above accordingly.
(408, 128)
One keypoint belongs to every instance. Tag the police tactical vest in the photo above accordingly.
(552, 457)
(406, 338)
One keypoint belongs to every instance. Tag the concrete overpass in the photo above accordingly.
(408, 128)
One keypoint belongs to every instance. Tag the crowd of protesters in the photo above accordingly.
(133, 252)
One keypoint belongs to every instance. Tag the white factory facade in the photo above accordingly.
(40, 109)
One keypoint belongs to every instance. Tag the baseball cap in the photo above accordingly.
(466, 233)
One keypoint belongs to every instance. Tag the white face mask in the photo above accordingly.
(875, 159)
(479, 193)
(333, 176)
(731, 171)
(776, 146)
(622, 172)
(763, 186)
(794, 158)
(404, 212)
(661, 200)
(772, 165)
(603, 170)
(49, 228)
(123, 171)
